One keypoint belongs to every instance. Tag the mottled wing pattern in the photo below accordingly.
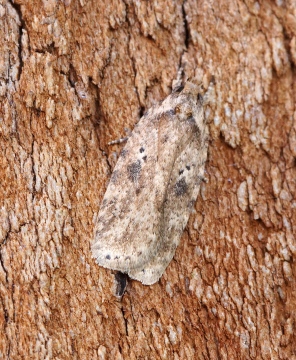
(127, 224)
(153, 188)
(182, 192)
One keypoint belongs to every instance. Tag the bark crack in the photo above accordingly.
(125, 321)
(186, 27)
(17, 8)
(2, 263)
(141, 112)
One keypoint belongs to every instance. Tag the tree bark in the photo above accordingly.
(75, 75)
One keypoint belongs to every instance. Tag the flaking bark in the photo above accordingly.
(75, 75)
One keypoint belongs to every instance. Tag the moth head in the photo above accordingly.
(189, 102)
(184, 109)
(195, 89)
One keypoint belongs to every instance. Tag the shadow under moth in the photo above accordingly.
(154, 187)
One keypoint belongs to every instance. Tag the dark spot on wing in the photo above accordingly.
(101, 219)
(108, 257)
(187, 167)
(191, 121)
(114, 177)
(142, 150)
(181, 187)
(191, 204)
(134, 170)
(123, 153)
(201, 179)
(181, 172)
(104, 203)
(168, 113)
(195, 128)
(144, 157)
(108, 203)
(165, 139)
(178, 89)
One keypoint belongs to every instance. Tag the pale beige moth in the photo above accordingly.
(154, 187)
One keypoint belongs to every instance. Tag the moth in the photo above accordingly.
(154, 187)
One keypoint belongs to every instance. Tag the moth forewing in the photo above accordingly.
(153, 188)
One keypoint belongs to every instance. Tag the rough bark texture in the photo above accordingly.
(73, 76)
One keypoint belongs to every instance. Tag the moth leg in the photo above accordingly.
(121, 140)
(178, 82)
(202, 178)
(118, 141)
(210, 93)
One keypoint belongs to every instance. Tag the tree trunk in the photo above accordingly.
(75, 75)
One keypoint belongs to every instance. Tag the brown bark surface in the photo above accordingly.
(75, 75)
